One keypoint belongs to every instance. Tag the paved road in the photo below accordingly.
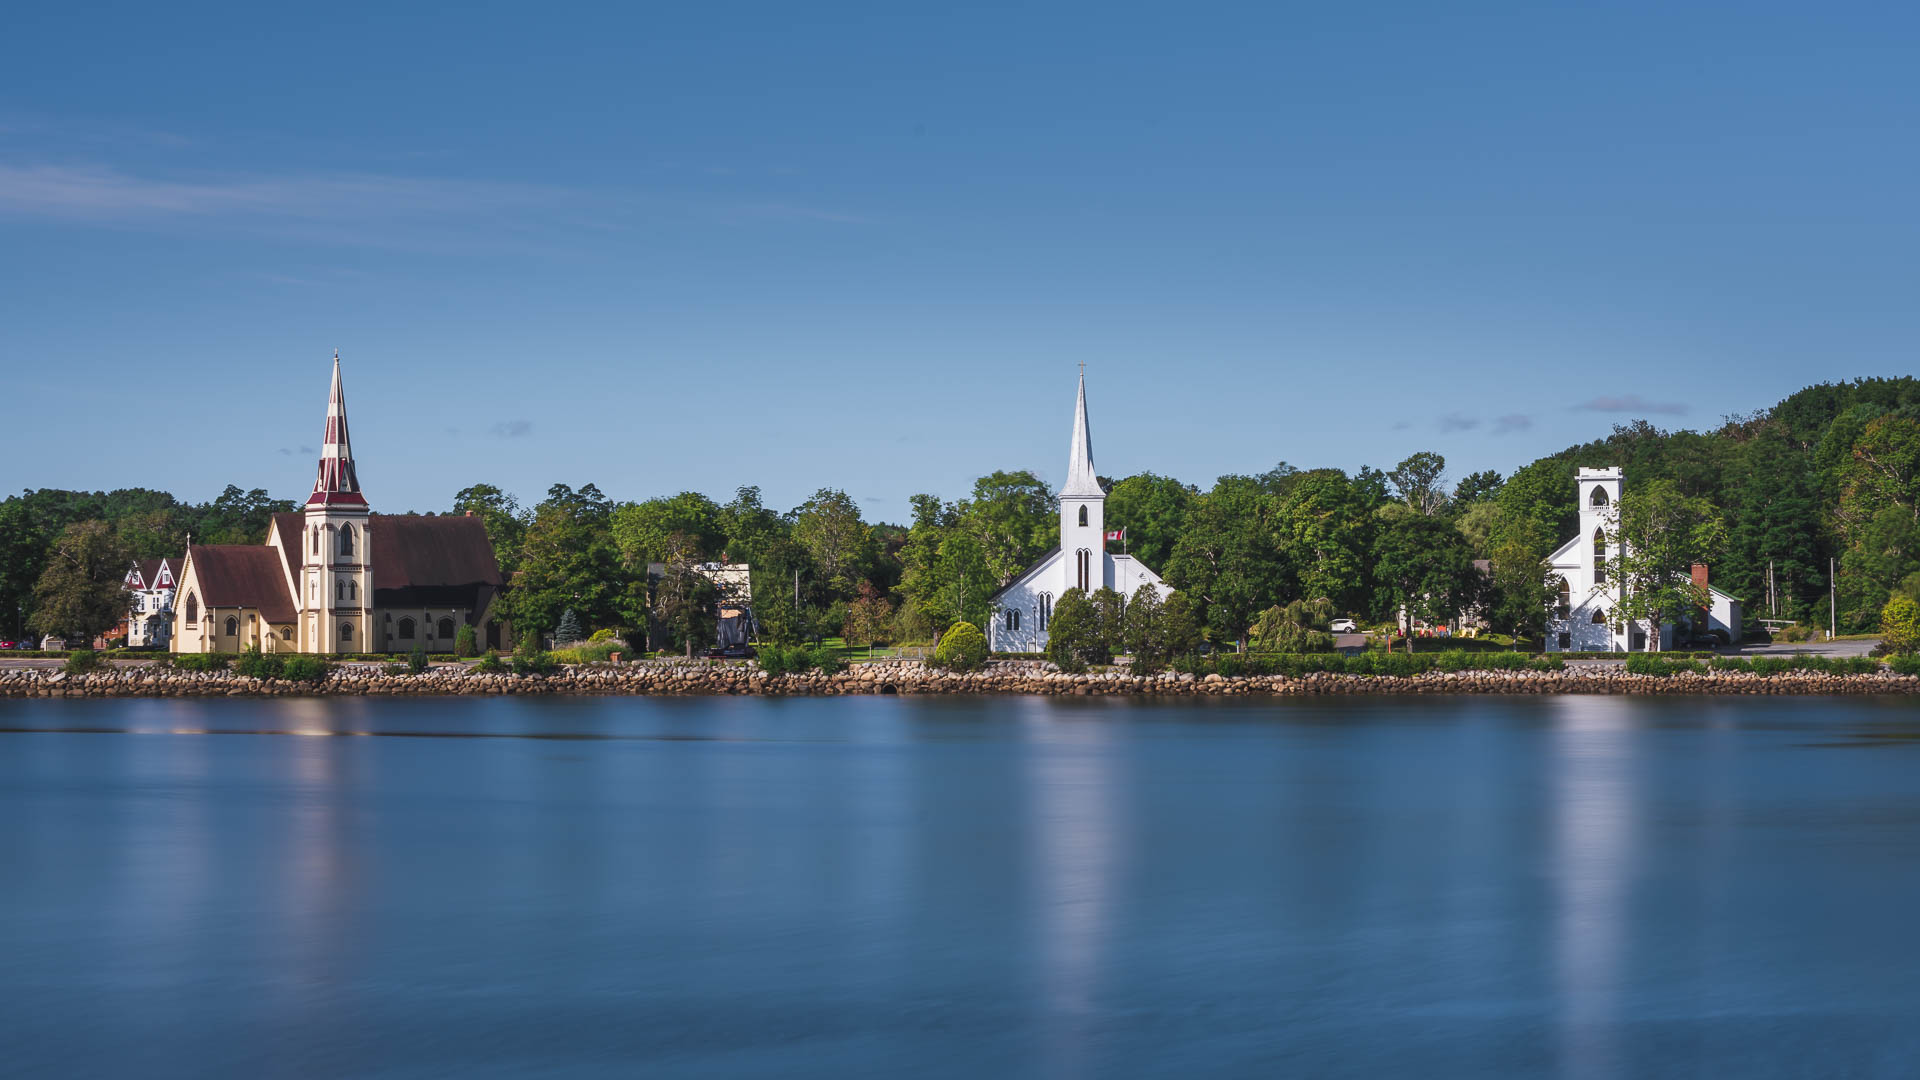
(1813, 648)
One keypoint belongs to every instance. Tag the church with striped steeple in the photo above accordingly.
(1023, 607)
(334, 577)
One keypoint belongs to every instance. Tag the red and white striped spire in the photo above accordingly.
(336, 482)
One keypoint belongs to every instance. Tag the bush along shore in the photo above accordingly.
(1304, 676)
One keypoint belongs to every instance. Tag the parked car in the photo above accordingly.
(8, 643)
(1344, 626)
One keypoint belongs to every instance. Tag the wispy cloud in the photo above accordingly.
(1631, 403)
(1510, 423)
(99, 193)
(288, 451)
(1402, 425)
(512, 429)
(1454, 421)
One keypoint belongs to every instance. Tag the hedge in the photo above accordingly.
(1294, 665)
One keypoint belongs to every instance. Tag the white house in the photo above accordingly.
(151, 584)
(1582, 618)
(1024, 606)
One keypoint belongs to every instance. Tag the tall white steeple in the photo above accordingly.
(336, 578)
(1083, 506)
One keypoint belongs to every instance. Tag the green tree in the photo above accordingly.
(1179, 629)
(1014, 517)
(1075, 636)
(685, 598)
(1479, 487)
(82, 593)
(1328, 533)
(569, 560)
(1229, 561)
(568, 630)
(962, 648)
(1144, 635)
(1111, 610)
(1900, 626)
(1522, 586)
(829, 527)
(646, 531)
(1661, 533)
(1298, 627)
(869, 618)
(1884, 551)
(1541, 496)
(1153, 510)
(1424, 568)
(1420, 482)
(500, 513)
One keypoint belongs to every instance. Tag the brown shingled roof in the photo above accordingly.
(242, 575)
(411, 551)
(290, 526)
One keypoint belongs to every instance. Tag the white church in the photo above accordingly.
(1582, 617)
(1024, 606)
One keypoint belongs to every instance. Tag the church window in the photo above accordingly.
(286, 633)
(1599, 555)
(1084, 570)
(406, 629)
(316, 540)
(1083, 517)
(346, 631)
(446, 628)
(1564, 606)
(1046, 610)
(1599, 497)
(193, 610)
(1599, 616)
(1566, 640)
(233, 626)
(346, 541)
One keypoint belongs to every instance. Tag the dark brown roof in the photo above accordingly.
(414, 551)
(242, 575)
(410, 551)
(289, 526)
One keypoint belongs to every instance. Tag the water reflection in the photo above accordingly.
(1594, 741)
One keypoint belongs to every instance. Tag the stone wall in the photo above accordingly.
(911, 677)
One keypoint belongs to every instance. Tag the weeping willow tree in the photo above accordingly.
(1299, 627)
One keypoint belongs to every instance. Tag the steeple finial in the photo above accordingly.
(1081, 478)
(336, 481)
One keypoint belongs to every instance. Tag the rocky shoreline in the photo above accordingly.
(912, 677)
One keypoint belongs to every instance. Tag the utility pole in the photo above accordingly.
(1833, 601)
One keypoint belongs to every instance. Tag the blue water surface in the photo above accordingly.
(960, 887)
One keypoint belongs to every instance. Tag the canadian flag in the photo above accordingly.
(1117, 534)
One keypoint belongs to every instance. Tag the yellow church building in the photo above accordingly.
(334, 577)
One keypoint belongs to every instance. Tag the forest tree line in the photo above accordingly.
(1831, 472)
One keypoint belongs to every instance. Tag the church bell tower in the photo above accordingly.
(336, 599)
(1083, 507)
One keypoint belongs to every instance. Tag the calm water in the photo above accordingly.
(1580, 887)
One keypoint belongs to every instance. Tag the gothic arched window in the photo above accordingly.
(346, 631)
(193, 610)
(286, 633)
(1046, 610)
(1599, 496)
(1600, 554)
(316, 539)
(233, 626)
(1599, 616)
(1083, 517)
(406, 629)
(1564, 605)
(446, 628)
(346, 541)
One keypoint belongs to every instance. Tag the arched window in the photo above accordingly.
(346, 631)
(346, 541)
(1046, 610)
(1006, 620)
(1083, 568)
(193, 610)
(446, 628)
(493, 633)
(233, 626)
(406, 629)
(1564, 605)
(1599, 554)
(316, 539)
(1083, 517)
(286, 633)
(1599, 497)
(1599, 616)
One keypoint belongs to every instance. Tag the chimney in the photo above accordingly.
(1700, 575)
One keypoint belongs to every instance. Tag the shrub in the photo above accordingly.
(211, 661)
(299, 667)
(1900, 626)
(962, 648)
(534, 662)
(490, 663)
(259, 665)
(1660, 666)
(464, 643)
(82, 661)
(600, 635)
(827, 660)
(1905, 665)
(785, 659)
(417, 660)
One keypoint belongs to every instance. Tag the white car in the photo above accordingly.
(1344, 626)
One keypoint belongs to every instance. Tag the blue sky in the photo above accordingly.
(661, 247)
